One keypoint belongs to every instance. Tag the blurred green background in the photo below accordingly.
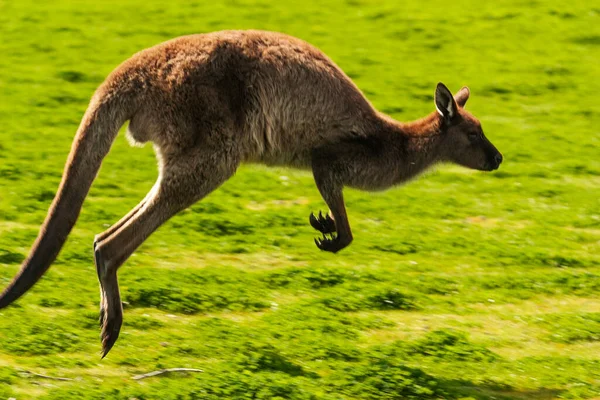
(461, 284)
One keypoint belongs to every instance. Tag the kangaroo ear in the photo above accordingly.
(462, 96)
(444, 102)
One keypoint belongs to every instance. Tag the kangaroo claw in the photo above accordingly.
(332, 245)
(324, 224)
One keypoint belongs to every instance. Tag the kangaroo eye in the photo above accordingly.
(473, 137)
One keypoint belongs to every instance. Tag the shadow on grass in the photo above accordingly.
(8, 257)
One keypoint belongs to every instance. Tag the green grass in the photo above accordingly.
(459, 285)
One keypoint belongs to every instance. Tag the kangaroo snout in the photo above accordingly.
(498, 158)
(494, 163)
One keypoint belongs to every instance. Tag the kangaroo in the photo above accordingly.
(209, 102)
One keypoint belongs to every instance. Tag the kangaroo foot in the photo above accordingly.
(111, 311)
(324, 224)
(111, 326)
(102, 310)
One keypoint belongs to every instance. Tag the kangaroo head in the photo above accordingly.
(464, 141)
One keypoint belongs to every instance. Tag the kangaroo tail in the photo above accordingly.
(108, 110)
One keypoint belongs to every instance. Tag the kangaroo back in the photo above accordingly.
(108, 110)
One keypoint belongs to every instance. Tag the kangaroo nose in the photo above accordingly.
(498, 158)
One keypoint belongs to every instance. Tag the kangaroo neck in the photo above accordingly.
(414, 146)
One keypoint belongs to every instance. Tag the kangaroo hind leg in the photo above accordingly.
(184, 180)
(100, 237)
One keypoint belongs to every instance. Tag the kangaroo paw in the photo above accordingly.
(324, 224)
(332, 245)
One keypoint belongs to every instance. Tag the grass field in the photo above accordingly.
(461, 284)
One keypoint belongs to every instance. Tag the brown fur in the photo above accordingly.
(210, 102)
